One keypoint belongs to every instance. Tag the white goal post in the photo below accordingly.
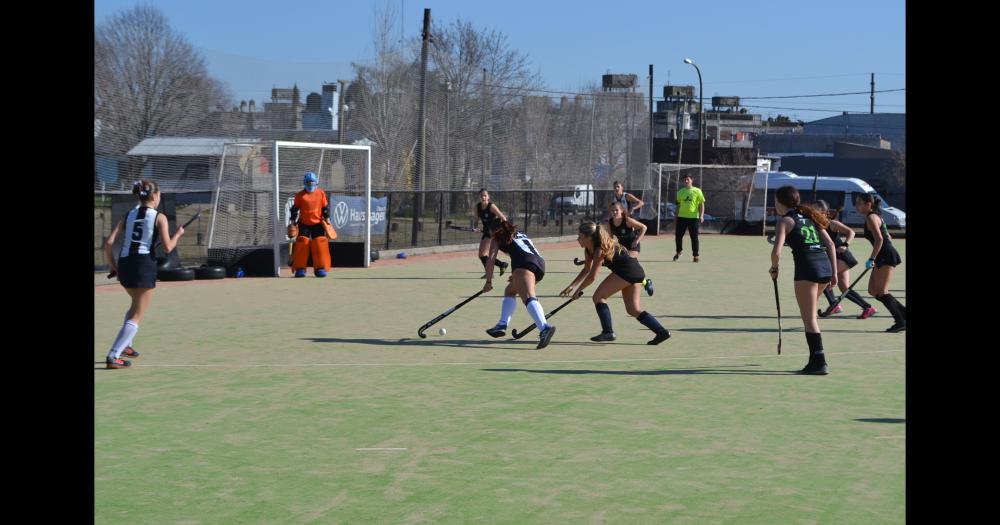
(256, 179)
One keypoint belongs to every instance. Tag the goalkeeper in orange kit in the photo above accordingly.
(310, 228)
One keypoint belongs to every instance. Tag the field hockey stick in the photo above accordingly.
(464, 228)
(578, 262)
(849, 288)
(430, 323)
(777, 305)
(159, 242)
(518, 335)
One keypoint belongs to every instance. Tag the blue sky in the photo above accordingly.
(744, 48)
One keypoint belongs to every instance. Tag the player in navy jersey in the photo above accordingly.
(489, 216)
(629, 202)
(602, 249)
(804, 229)
(845, 261)
(136, 264)
(527, 269)
(629, 233)
(883, 260)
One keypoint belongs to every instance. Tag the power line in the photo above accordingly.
(789, 78)
(809, 109)
(827, 94)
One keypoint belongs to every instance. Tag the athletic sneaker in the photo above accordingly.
(130, 352)
(545, 336)
(301, 272)
(649, 287)
(320, 272)
(603, 336)
(117, 363)
(676, 255)
(503, 268)
(870, 311)
(499, 330)
(815, 368)
(695, 258)
(659, 338)
(836, 310)
(896, 327)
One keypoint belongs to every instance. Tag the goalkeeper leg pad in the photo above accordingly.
(300, 255)
(321, 253)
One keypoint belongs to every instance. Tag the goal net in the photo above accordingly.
(727, 189)
(256, 183)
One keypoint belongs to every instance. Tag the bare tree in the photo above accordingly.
(148, 80)
(384, 108)
(483, 113)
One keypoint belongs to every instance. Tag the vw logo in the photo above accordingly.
(340, 214)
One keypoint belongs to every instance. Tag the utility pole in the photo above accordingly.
(486, 123)
(651, 113)
(421, 127)
(340, 111)
(872, 109)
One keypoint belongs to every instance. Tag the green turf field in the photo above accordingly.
(254, 401)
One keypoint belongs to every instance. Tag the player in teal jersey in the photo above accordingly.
(815, 258)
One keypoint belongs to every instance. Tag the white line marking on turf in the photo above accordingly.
(367, 449)
(294, 365)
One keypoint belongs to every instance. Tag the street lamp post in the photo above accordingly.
(701, 117)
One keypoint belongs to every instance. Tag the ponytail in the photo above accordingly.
(144, 189)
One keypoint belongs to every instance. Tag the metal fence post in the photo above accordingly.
(561, 217)
(388, 218)
(440, 215)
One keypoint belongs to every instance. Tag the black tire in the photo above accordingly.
(210, 272)
(179, 274)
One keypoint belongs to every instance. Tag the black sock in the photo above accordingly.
(829, 295)
(502, 264)
(815, 342)
(892, 305)
(856, 299)
(899, 306)
(484, 259)
(650, 322)
(604, 314)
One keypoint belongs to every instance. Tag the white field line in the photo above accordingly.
(479, 363)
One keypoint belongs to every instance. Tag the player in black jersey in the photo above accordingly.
(804, 227)
(136, 264)
(489, 215)
(527, 268)
(884, 259)
(601, 248)
(629, 233)
(845, 261)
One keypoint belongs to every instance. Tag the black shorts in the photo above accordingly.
(312, 231)
(848, 258)
(531, 267)
(813, 267)
(887, 256)
(630, 270)
(137, 271)
(488, 230)
(637, 249)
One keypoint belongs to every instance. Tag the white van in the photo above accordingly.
(836, 191)
(578, 198)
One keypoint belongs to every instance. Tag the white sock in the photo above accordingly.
(535, 309)
(507, 310)
(125, 335)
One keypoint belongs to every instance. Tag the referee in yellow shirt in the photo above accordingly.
(690, 214)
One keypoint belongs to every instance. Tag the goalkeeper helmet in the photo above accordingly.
(310, 181)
